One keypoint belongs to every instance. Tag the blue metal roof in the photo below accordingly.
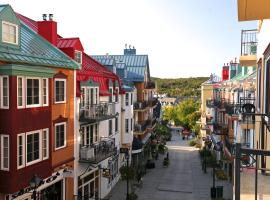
(136, 64)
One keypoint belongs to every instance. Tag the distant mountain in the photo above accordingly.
(180, 86)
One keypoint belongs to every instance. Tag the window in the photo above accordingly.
(21, 150)
(111, 95)
(131, 98)
(9, 33)
(60, 90)
(45, 144)
(20, 92)
(60, 135)
(131, 124)
(116, 95)
(126, 125)
(4, 152)
(96, 133)
(32, 92)
(89, 96)
(259, 86)
(116, 124)
(45, 92)
(267, 87)
(78, 56)
(89, 134)
(33, 147)
(110, 127)
(127, 99)
(4, 89)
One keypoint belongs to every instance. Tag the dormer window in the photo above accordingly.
(9, 33)
(78, 56)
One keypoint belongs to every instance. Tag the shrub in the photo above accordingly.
(162, 148)
(192, 143)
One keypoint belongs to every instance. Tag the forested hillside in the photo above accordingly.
(180, 86)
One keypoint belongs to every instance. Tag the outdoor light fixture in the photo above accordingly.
(34, 183)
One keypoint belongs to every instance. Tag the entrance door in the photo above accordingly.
(53, 192)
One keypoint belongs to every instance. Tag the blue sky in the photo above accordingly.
(183, 38)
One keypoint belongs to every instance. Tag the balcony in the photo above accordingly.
(95, 153)
(233, 108)
(248, 48)
(97, 112)
(150, 85)
(141, 127)
(253, 10)
(140, 106)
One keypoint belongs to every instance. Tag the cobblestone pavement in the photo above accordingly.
(183, 179)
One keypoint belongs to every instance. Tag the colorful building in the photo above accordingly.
(37, 113)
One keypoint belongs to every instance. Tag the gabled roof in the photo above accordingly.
(136, 64)
(69, 43)
(91, 69)
(35, 50)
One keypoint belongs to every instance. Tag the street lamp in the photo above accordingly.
(34, 183)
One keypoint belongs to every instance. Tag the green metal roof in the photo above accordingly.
(33, 49)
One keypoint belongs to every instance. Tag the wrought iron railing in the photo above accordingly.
(97, 111)
(95, 153)
(152, 102)
(249, 42)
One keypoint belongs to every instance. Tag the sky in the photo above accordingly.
(183, 38)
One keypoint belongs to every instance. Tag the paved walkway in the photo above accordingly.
(182, 180)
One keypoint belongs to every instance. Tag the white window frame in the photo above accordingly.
(2, 92)
(2, 154)
(46, 131)
(127, 99)
(65, 135)
(23, 92)
(39, 103)
(23, 151)
(17, 34)
(47, 91)
(117, 94)
(111, 95)
(75, 52)
(40, 147)
(65, 90)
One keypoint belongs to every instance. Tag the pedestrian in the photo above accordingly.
(168, 155)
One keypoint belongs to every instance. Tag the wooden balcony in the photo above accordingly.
(140, 106)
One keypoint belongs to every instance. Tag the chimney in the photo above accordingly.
(48, 28)
(129, 51)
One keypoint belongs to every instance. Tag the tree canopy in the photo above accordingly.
(184, 114)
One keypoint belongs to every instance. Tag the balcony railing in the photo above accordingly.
(220, 129)
(249, 42)
(101, 111)
(95, 153)
(150, 85)
(140, 105)
(233, 108)
(210, 103)
(248, 47)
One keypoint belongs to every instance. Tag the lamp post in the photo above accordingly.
(127, 158)
(34, 183)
